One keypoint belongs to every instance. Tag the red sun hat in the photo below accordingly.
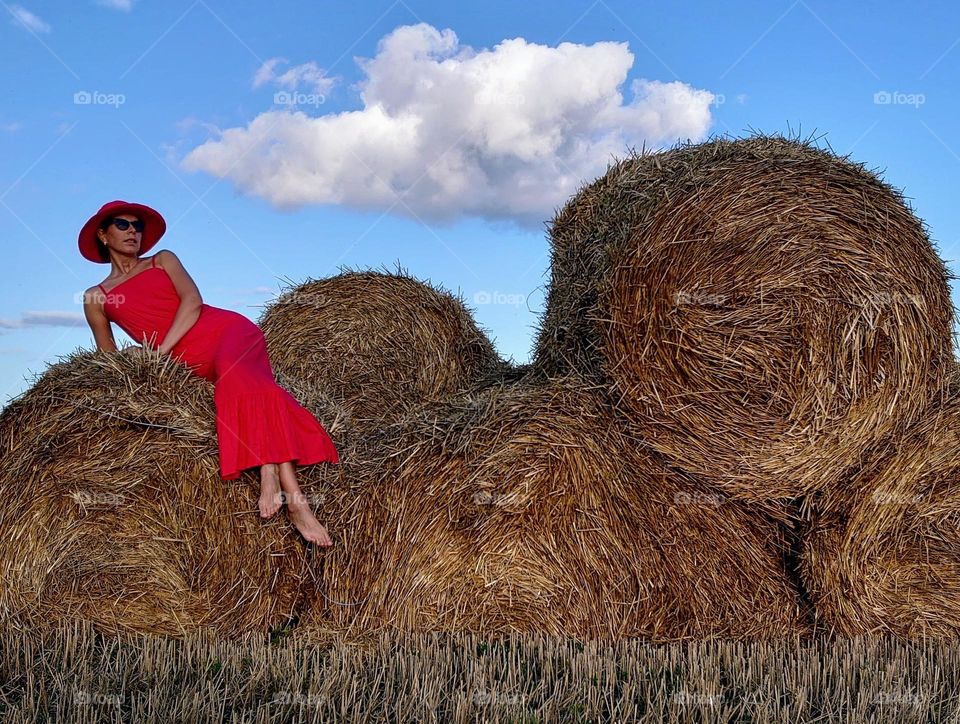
(153, 227)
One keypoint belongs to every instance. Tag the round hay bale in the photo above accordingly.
(760, 308)
(116, 512)
(528, 508)
(882, 553)
(377, 343)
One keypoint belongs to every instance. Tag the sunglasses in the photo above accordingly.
(123, 224)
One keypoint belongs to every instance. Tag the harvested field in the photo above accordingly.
(77, 674)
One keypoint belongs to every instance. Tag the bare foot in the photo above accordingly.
(270, 498)
(310, 528)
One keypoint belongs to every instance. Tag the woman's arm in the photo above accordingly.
(190, 301)
(99, 324)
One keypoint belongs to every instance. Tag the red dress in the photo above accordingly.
(257, 420)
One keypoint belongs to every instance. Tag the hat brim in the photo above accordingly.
(154, 228)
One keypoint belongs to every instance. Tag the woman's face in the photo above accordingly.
(127, 241)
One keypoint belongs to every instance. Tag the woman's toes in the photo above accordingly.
(310, 528)
(269, 505)
(271, 497)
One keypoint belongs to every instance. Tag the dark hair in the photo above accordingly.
(101, 246)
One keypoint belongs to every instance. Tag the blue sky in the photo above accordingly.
(288, 140)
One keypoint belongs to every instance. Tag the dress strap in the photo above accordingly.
(153, 261)
(101, 288)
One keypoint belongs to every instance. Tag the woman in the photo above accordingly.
(155, 301)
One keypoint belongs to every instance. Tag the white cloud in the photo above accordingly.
(11, 127)
(116, 4)
(44, 319)
(28, 20)
(503, 133)
(308, 74)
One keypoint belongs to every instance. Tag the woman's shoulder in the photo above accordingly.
(164, 256)
(93, 295)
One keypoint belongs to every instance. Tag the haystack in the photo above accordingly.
(529, 508)
(760, 308)
(116, 512)
(377, 343)
(882, 553)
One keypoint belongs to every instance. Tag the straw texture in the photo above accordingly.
(761, 309)
(739, 335)
(530, 508)
(117, 513)
(376, 343)
(882, 554)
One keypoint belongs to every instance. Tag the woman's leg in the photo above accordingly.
(270, 500)
(298, 508)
